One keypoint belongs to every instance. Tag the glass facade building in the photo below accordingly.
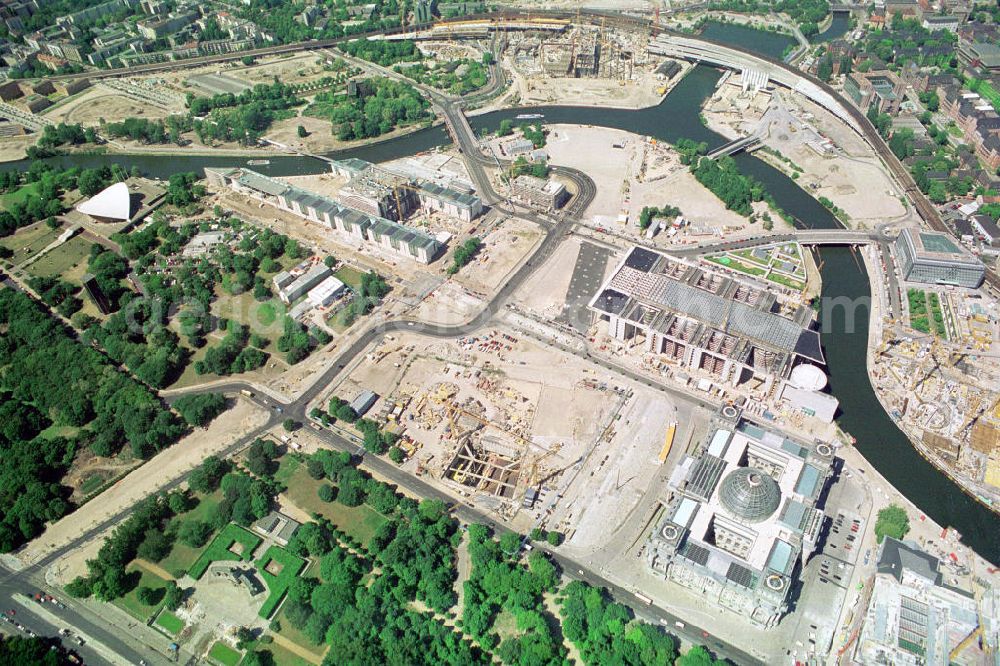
(934, 258)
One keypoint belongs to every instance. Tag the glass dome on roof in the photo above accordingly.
(750, 494)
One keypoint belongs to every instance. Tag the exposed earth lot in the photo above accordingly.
(566, 410)
(98, 103)
(632, 172)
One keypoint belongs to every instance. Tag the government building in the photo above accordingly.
(742, 518)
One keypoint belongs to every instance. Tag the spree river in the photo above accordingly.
(884, 446)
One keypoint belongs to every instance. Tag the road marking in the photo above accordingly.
(58, 622)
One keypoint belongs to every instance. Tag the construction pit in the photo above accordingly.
(526, 432)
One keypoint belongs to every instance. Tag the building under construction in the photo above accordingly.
(729, 330)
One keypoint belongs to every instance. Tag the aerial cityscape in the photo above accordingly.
(530, 333)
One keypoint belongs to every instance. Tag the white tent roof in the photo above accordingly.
(110, 203)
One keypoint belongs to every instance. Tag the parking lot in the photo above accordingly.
(588, 273)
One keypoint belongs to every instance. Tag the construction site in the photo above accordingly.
(536, 436)
(592, 65)
(941, 386)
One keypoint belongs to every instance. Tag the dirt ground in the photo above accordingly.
(555, 274)
(852, 177)
(642, 92)
(504, 248)
(575, 424)
(98, 103)
(833, 161)
(447, 305)
(167, 465)
(13, 148)
(632, 172)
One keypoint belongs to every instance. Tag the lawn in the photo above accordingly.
(350, 276)
(285, 657)
(778, 278)
(288, 629)
(181, 556)
(224, 655)
(20, 195)
(288, 566)
(289, 464)
(130, 602)
(172, 624)
(60, 261)
(729, 262)
(359, 522)
(26, 243)
(91, 483)
(221, 549)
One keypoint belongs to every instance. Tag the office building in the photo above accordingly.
(352, 225)
(931, 257)
(374, 188)
(913, 617)
(741, 518)
(539, 192)
(290, 286)
(726, 330)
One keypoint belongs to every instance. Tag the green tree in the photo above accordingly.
(206, 477)
(149, 596)
(200, 409)
(194, 533)
(891, 521)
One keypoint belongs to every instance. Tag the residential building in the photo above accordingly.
(941, 22)
(157, 28)
(546, 194)
(986, 228)
(742, 518)
(931, 257)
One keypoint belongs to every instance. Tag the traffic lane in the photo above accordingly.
(78, 624)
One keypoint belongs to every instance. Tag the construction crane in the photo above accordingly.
(533, 471)
(918, 382)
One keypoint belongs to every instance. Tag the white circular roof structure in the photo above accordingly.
(808, 377)
(111, 203)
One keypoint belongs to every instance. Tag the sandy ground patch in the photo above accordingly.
(448, 305)
(13, 147)
(831, 160)
(851, 176)
(632, 172)
(555, 274)
(504, 248)
(619, 471)
(645, 90)
(99, 103)
(164, 467)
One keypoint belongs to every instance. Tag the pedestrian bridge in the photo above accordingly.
(802, 236)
